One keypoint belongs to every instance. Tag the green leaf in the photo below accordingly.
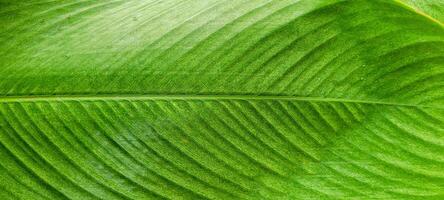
(433, 8)
(219, 99)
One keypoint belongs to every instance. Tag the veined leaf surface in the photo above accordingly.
(219, 99)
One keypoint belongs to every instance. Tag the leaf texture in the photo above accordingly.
(215, 99)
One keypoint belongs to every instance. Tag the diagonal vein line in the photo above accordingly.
(419, 12)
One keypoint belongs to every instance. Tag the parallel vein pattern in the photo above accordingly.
(321, 48)
(225, 149)
(219, 99)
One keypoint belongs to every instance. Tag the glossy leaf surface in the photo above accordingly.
(215, 99)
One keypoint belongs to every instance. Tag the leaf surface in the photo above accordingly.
(214, 99)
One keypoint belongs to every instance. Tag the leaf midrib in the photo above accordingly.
(104, 97)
